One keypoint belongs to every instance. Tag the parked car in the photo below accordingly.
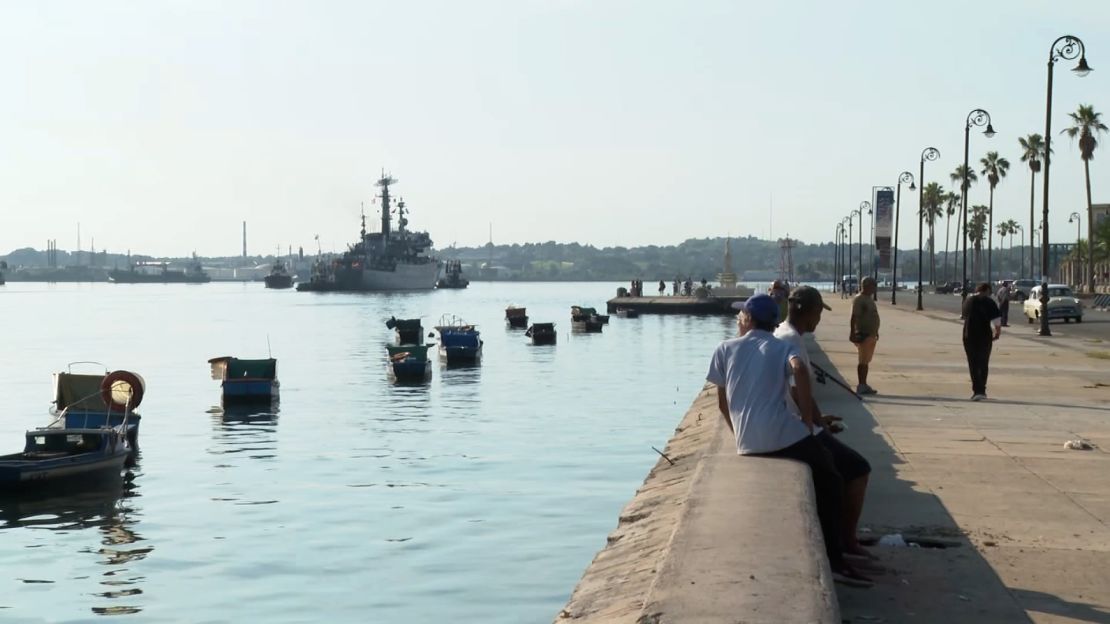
(1020, 289)
(1062, 303)
(946, 288)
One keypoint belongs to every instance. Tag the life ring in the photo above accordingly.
(122, 389)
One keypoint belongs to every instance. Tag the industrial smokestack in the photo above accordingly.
(244, 239)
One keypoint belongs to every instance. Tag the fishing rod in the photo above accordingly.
(823, 374)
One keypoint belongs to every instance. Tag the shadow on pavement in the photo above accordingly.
(954, 584)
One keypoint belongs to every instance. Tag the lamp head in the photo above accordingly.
(989, 131)
(912, 187)
(1082, 69)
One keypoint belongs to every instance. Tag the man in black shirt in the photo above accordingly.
(982, 326)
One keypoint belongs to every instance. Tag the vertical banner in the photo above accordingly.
(884, 225)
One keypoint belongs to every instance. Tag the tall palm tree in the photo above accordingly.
(951, 203)
(931, 198)
(1003, 230)
(995, 168)
(976, 230)
(1013, 228)
(964, 183)
(1032, 151)
(1087, 124)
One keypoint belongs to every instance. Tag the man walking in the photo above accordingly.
(982, 326)
(864, 331)
(752, 375)
(1003, 297)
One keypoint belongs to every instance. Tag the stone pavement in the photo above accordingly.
(1024, 521)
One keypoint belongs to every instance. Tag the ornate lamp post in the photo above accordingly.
(929, 153)
(1074, 218)
(851, 266)
(1066, 47)
(903, 178)
(864, 205)
(977, 117)
(836, 254)
(845, 249)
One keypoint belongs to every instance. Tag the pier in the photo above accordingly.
(676, 305)
(1013, 526)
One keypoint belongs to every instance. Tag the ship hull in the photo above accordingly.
(405, 277)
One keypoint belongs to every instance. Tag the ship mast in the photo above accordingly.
(384, 182)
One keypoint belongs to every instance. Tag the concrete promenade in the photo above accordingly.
(1024, 523)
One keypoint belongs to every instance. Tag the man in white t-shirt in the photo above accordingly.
(752, 374)
(803, 316)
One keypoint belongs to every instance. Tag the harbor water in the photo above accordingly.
(478, 497)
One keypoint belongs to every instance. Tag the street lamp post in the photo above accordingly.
(845, 262)
(977, 117)
(864, 205)
(1022, 246)
(1074, 217)
(929, 153)
(851, 265)
(903, 177)
(1066, 47)
(836, 254)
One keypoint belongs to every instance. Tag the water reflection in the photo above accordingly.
(107, 507)
(249, 429)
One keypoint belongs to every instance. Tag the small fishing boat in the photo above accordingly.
(246, 381)
(409, 331)
(585, 319)
(517, 318)
(541, 333)
(55, 455)
(459, 341)
(94, 400)
(409, 362)
(628, 313)
(279, 276)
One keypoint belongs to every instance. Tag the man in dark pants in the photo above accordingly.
(752, 374)
(982, 326)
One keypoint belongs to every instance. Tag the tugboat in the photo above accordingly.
(386, 260)
(452, 276)
(279, 276)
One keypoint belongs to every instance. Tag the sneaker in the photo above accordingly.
(978, 397)
(865, 389)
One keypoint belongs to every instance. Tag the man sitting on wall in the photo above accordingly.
(752, 374)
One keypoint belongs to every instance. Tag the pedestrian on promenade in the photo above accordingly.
(752, 374)
(662, 287)
(806, 306)
(674, 288)
(779, 293)
(982, 326)
(1003, 297)
(864, 331)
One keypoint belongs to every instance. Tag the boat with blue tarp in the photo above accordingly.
(246, 381)
(459, 341)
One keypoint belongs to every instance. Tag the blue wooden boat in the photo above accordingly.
(459, 341)
(409, 362)
(94, 400)
(52, 456)
(246, 381)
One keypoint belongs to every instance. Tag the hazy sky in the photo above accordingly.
(160, 126)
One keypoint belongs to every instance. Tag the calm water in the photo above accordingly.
(479, 497)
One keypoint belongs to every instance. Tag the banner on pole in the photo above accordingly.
(884, 225)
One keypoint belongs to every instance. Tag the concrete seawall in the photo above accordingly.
(712, 537)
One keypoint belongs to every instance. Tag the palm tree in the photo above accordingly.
(1087, 124)
(965, 183)
(931, 198)
(995, 168)
(1003, 230)
(1013, 228)
(976, 230)
(1032, 150)
(951, 203)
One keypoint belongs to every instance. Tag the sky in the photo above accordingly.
(161, 126)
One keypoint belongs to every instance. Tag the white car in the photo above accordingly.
(1062, 303)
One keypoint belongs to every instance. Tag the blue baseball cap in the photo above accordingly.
(762, 308)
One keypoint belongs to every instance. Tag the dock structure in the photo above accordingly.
(675, 305)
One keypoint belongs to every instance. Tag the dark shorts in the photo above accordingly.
(850, 464)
